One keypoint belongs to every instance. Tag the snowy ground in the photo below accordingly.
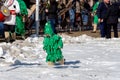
(87, 58)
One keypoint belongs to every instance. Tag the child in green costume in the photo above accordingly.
(52, 44)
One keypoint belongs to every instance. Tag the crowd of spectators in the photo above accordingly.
(78, 15)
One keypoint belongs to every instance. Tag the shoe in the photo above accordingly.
(50, 63)
(12, 40)
(7, 40)
(23, 37)
(62, 61)
(93, 32)
(69, 32)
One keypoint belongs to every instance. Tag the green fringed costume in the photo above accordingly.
(20, 25)
(95, 21)
(52, 44)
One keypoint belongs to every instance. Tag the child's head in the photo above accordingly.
(48, 30)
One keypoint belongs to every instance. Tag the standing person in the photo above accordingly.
(14, 23)
(111, 19)
(101, 12)
(85, 14)
(52, 44)
(71, 14)
(72, 18)
(10, 21)
(95, 17)
(20, 19)
(78, 16)
(52, 13)
(61, 6)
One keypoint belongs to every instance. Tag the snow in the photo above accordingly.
(87, 58)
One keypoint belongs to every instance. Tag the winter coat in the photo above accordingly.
(52, 11)
(112, 14)
(102, 9)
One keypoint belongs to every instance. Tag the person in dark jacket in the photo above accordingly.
(111, 19)
(52, 13)
(101, 13)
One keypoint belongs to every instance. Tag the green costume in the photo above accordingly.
(52, 44)
(20, 25)
(95, 21)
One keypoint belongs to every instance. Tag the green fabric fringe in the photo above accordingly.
(20, 25)
(52, 44)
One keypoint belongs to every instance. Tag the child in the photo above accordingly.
(52, 44)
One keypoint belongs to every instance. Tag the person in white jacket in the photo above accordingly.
(10, 21)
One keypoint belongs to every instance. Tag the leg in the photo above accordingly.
(50, 63)
(102, 29)
(95, 23)
(7, 36)
(94, 28)
(108, 31)
(6, 33)
(69, 26)
(52, 21)
(62, 61)
(13, 34)
(115, 30)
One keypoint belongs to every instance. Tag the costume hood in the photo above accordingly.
(48, 30)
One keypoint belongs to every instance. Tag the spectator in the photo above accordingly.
(86, 5)
(95, 17)
(61, 6)
(52, 14)
(101, 12)
(72, 17)
(111, 19)
(1, 29)
(85, 11)
(78, 16)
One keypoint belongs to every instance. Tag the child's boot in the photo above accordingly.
(62, 61)
(7, 36)
(50, 63)
(13, 35)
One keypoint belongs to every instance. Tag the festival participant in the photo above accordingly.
(14, 23)
(10, 21)
(21, 18)
(95, 17)
(52, 45)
